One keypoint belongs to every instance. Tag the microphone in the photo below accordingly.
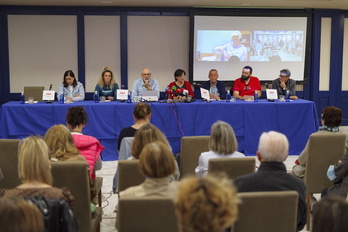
(122, 86)
(50, 87)
(197, 84)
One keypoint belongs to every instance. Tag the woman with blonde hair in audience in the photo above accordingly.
(35, 173)
(106, 85)
(157, 164)
(205, 204)
(222, 144)
(149, 133)
(18, 215)
(88, 146)
(61, 144)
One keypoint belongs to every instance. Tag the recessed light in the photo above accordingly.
(246, 4)
(106, 2)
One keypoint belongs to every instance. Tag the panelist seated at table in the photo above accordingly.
(247, 85)
(145, 83)
(71, 88)
(180, 84)
(216, 88)
(106, 85)
(284, 83)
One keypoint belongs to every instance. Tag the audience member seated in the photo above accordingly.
(330, 215)
(272, 152)
(17, 215)
(216, 88)
(71, 88)
(246, 85)
(35, 173)
(284, 83)
(142, 115)
(157, 163)
(205, 204)
(331, 120)
(222, 144)
(148, 134)
(89, 147)
(180, 85)
(61, 144)
(106, 85)
(339, 174)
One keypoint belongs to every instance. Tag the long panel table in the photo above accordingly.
(296, 119)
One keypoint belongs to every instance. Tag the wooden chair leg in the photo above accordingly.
(308, 201)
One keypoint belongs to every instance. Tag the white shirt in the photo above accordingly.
(204, 158)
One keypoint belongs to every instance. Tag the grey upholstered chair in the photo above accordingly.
(75, 176)
(128, 174)
(9, 163)
(191, 149)
(33, 91)
(151, 214)
(267, 211)
(323, 150)
(232, 167)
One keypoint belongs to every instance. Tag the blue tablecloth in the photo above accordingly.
(296, 119)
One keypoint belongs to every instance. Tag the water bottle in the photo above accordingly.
(129, 99)
(96, 97)
(287, 96)
(228, 96)
(61, 99)
(256, 97)
(22, 98)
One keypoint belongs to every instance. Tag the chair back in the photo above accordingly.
(33, 91)
(147, 214)
(191, 149)
(125, 148)
(128, 174)
(75, 176)
(9, 163)
(232, 167)
(323, 150)
(267, 211)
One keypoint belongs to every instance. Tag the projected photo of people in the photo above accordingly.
(277, 45)
(222, 45)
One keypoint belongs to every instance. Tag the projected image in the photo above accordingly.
(213, 45)
(281, 45)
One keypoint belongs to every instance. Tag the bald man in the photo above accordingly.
(145, 83)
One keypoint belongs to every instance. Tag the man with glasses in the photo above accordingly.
(235, 48)
(216, 88)
(284, 83)
(246, 85)
(145, 83)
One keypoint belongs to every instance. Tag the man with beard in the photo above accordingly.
(145, 83)
(246, 85)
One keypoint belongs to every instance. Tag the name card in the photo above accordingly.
(205, 94)
(48, 95)
(272, 94)
(122, 94)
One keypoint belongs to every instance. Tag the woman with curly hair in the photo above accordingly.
(89, 147)
(205, 204)
(106, 85)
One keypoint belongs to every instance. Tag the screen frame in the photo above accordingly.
(241, 12)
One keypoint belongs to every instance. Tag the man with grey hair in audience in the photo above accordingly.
(272, 176)
(284, 83)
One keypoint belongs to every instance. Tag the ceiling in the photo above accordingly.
(325, 4)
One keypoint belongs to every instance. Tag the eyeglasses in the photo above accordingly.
(146, 74)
